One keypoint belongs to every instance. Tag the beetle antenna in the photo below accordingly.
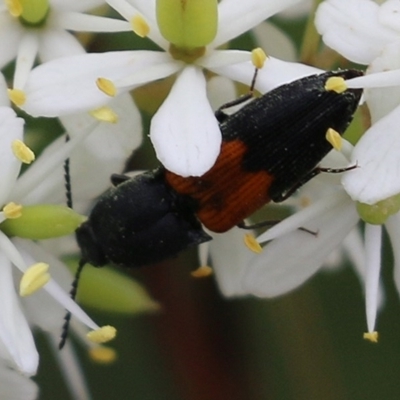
(221, 115)
(67, 178)
(72, 293)
(74, 286)
(253, 82)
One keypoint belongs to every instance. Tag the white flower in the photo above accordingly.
(48, 35)
(184, 131)
(17, 347)
(101, 151)
(368, 33)
(300, 10)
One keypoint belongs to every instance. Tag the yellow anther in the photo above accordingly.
(14, 7)
(336, 84)
(102, 355)
(105, 114)
(22, 151)
(12, 210)
(106, 86)
(305, 201)
(102, 335)
(34, 278)
(258, 57)
(371, 336)
(334, 138)
(202, 272)
(17, 96)
(252, 244)
(140, 26)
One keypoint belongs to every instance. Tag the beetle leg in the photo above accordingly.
(316, 171)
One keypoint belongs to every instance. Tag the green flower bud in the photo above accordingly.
(43, 221)
(378, 213)
(188, 24)
(106, 289)
(34, 12)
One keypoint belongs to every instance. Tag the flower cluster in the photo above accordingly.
(51, 73)
(364, 32)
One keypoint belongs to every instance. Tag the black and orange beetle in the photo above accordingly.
(270, 147)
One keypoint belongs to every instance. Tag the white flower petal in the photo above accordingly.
(68, 85)
(223, 58)
(377, 156)
(42, 168)
(11, 128)
(380, 79)
(354, 247)
(10, 35)
(230, 257)
(184, 131)
(16, 341)
(57, 43)
(291, 259)
(147, 11)
(237, 16)
(275, 42)
(27, 51)
(14, 386)
(103, 153)
(147, 8)
(373, 240)
(76, 5)
(352, 28)
(388, 14)
(274, 73)
(220, 90)
(299, 10)
(383, 100)
(75, 21)
(52, 287)
(40, 308)
(302, 217)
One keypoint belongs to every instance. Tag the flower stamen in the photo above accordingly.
(17, 96)
(140, 26)
(14, 7)
(102, 355)
(22, 152)
(334, 138)
(102, 335)
(106, 86)
(202, 272)
(371, 336)
(105, 114)
(258, 57)
(12, 210)
(336, 84)
(251, 243)
(34, 279)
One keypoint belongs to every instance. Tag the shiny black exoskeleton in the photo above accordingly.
(139, 221)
